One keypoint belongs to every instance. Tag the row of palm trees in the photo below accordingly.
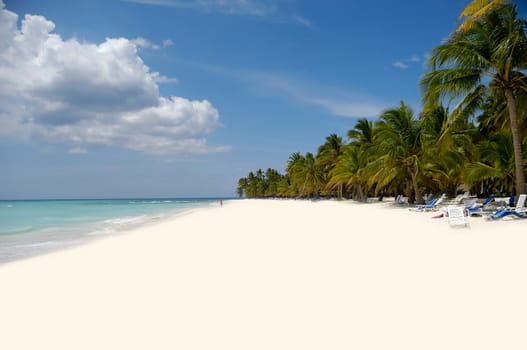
(470, 135)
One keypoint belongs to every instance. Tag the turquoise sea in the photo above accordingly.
(33, 227)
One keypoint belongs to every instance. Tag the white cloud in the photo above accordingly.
(303, 21)
(400, 64)
(352, 107)
(407, 62)
(78, 150)
(144, 43)
(275, 10)
(83, 93)
(167, 42)
(245, 7)
(337, 101)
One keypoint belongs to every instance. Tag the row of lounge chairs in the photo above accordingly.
(520, 211)
(463, 206)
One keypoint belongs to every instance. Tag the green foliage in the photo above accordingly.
(469, 135)
(261, 185)
(492, 48)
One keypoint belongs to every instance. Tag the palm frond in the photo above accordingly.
(475, 10)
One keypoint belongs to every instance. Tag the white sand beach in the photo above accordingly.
(272, 274)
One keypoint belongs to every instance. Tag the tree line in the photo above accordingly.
(471, 133)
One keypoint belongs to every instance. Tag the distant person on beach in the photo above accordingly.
(221, 203)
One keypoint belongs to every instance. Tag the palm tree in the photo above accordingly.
(398, 146)
(362, 133)
(349, 172)
(494, 49)
(250, 189)
(350, 166)
(329, 152)
(328, 155)
(294, 170)
(272, 178)
(242, 186)
(305, 174)
(495, 165)
(475, 10)
(447, 137)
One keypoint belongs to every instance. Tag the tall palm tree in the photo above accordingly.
(328, 155)
(305, 174)
(362, 133)
(242, 186)
(272, 178)
(495, 163)
(350, 168)
(398, 145)
(475, 10)
(294, 170)
(494, 49)
(349, 172)
(251, 183)
(448, 147)
(313, 176)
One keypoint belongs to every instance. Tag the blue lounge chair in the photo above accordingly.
(431, 205)
(519, 211)
(507, 212)
(428, 204)
(478, 209)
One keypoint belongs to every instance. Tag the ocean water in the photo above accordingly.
(29, 228)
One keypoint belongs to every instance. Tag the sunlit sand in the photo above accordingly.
(273, 274)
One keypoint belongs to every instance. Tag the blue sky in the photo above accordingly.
(176, 98)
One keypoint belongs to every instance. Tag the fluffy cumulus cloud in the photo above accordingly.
(83, 93)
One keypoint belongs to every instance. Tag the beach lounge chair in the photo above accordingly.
(518, 212)
(507, 212)
(521, 201)
(456, 217)
(478, 209)
(460, 198)
(401, 200)
(431, 205)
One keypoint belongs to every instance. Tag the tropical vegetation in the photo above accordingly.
(471, 134)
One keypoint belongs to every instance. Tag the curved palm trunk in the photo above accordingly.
(516, 140)
(418, 196)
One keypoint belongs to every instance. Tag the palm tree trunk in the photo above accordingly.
(517, 143)
(418, 196)
(362, 197)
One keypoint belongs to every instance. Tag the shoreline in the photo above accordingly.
(282, 274)
(27, 243)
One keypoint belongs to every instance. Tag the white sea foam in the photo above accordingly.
(44, 244)
(43, 226)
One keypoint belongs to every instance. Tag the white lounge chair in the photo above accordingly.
(460, 198)
(401, 200)
(456, 217)
(521, 202)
